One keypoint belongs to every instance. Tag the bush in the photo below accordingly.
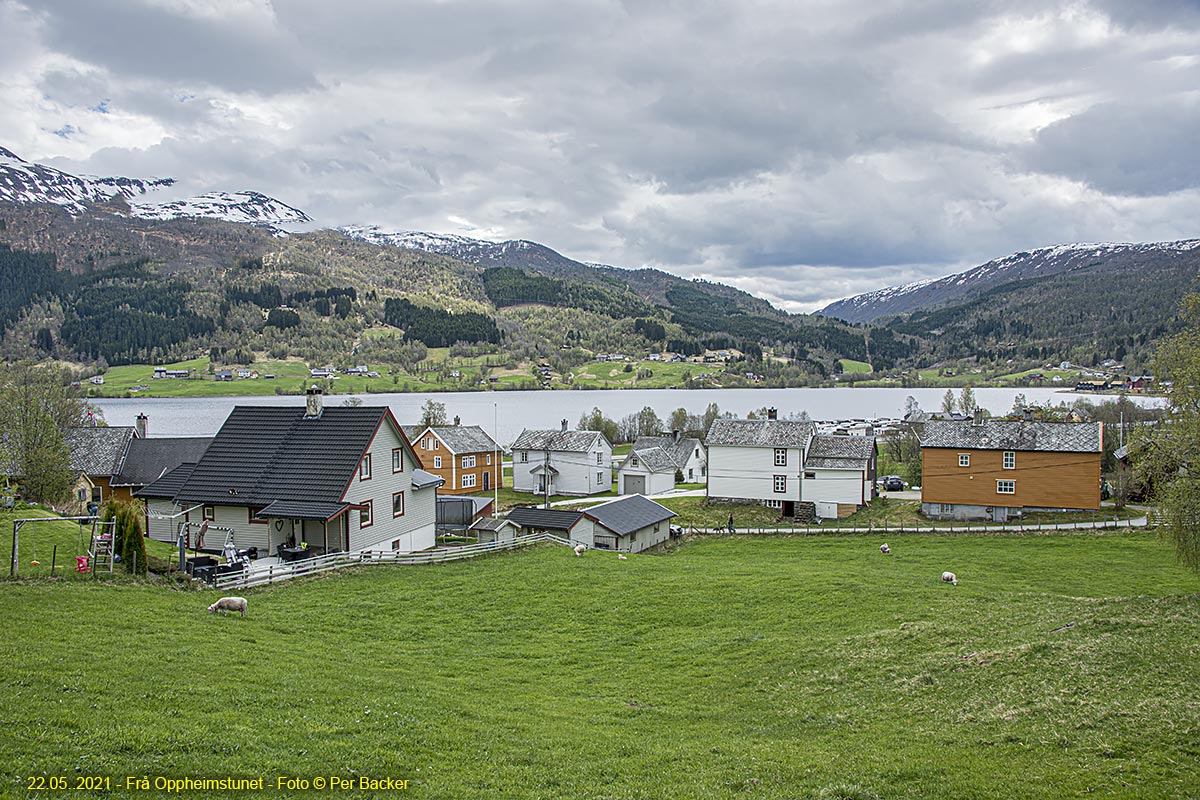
(129, 543)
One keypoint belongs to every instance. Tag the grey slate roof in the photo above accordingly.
(266, 453)
(561, 441)
(412, 431)
(168, 485)
(423, 480)
(1056, 437)
(840, 452)
(653, 459)
(679, 451)
(148, 459)
(544, 519)
(492, 524)
(628, 514)
(98, 451)
(465, 439)
(760, 433)
(302, 509)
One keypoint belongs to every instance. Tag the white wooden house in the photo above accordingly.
(689, 454)
(646, 471)
(566, 462)
(339, 479)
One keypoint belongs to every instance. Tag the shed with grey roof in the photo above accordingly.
(628, 524)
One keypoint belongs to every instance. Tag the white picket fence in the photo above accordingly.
(275, 573)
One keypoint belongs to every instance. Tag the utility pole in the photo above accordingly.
(499, 463)
(546, 477)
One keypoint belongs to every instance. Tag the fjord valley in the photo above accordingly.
(102, 278)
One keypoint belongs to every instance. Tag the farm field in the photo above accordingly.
(728, 668)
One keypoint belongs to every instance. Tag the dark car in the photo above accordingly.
(893, 483)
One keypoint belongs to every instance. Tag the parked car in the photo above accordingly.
(893, 483)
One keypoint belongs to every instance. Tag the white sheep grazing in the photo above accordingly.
(883, 548)
(580, 549)
(622, 557)
(227, 604)
(950, 577)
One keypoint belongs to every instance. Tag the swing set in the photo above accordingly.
(99, 553)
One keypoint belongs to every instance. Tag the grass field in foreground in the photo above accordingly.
(759, 668)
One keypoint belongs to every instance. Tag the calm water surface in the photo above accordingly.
(510, 412)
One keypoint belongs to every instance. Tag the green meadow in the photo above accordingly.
(769, 667)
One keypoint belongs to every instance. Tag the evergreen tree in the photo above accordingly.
(948, 402)
(966, 401)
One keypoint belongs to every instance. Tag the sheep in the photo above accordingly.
(622, 557)
(227, 604)
(883, 548)
(950, 577)
(580, 549)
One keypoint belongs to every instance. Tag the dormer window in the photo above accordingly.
(633, 462)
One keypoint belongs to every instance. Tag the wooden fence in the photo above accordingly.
(276, 573)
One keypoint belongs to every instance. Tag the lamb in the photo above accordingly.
(622, 557)
(580, 549)
(883, 548)
(227, 604)
(950, 577)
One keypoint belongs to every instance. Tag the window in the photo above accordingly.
(945, 508)
(633, 461)
(364, 514)
(808, 476)
(437, 462)
(364, 468)
(599, 458)
(524, 457)
(252, 515)
(964, 459)
(97, 494)
(1010, 459)
(398, 504)
(437, 444)
(657, 526)
(489, 459)
(697, 454)
(468, 480)
(209, 513)
(397, 459)
(1006, 487)
(599, 477)
(427, 443)
(780, 457)
(395, 544)
(468, 462)
(781, 483)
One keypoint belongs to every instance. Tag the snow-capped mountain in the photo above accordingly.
(1045, 261)
(514, 252)
(24, 182)
(250, 207)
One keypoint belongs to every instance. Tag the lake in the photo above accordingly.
(510, 412)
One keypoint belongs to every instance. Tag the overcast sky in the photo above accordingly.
(803, 151)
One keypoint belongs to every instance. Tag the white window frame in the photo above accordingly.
(1006, 487)
(1010, 459)
(364, 468)
(600, 478)
(781, 456)
(599, 458)
(394, 496)
(779, 484)
(367, 512)
(468, 462)
(964, 459)
(469, 480)
(524, 456)
(397, 460)
(437, 462)
(945, 508)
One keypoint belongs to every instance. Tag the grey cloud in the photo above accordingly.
(1138, 148)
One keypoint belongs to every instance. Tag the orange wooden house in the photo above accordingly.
(996, 469)
(464, 455)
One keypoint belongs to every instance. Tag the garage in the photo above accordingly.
(634, 484)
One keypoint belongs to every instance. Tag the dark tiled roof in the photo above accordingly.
(268, 453)
(679, 451)
(98, 451)
(1056, 437)
(466, 439)
(168, 485)
(653, 459)
(840, 452)
(423, 480)
(760, 433)
(302, 509)
(148, 459)
(562, 441)
(629, 514)
(544, 519)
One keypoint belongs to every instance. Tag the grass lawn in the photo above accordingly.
(509, 498)
(852, 367)
(37, 542)
(762, 668)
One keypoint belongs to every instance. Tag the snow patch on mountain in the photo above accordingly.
(25, 183)
(461, 247)
(247, 207)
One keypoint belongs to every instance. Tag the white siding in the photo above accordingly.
(415, 528)
(747, 473)
(656, 482)
(835, 486)
(695, 470)
(578, 473)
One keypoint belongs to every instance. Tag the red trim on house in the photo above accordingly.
(399, 494)
(368, 506)
(251, 511)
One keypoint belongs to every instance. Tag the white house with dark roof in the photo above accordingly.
(571, 462)
(688, 454)
(338, 479)
(785, 464)
(648, 470)
(628, 524)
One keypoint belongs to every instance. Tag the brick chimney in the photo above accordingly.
(314, 407)
(457, 420)
(142, 420)
(978, 418)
